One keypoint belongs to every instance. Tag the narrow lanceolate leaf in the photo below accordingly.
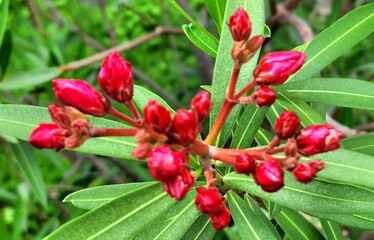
(5, 52)
(91, 198)
(174, 222)
(340, 162)
(263, 137)
(19, 121)
(361, 221)
(275, 110)
(249, 225)
(201, 229)
(28, 163)
(333, 91)
(248, 125)
(331, 230)
(4, 8)
(274, 209)
(361, 143)
(125, 216)
(143, 95)
(308, 115)
(316, 196)
(216, 9)
(224, 62)
(201, 39)
(29, 79)
(336, 39)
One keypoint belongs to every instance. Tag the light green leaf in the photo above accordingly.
(267, 31)
(201, 39)
(174, 222)
(361, 220)
(248, 125)
(216, 9)
(29, 79)
(28, 163)
(224, 62)
(316, 196)
(361, 143)
(331, 230)
(4, 9)
(142, 96)
(274, 209)
(263, 137)
(91, 198)
(333, 91)
(275, 110)
(201, 229)
(336, 39)
(249, 224)
(125, 216)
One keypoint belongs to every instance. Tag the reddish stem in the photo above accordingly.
(134, 111)
(200, 148)
(100, 132)
(125, 118)
(234, 79)
(250, 85)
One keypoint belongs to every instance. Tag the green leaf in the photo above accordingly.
(29, 79)
(316, 196)
(125, 216)
(201, 39)
(361, 220)
(342, 92)
(173, 223)
(248, 125)
(249, 224)
(28, 163)
(216, 9)
(267, 32)
(201, 229)
(275, 110)
(274, 209)
(4, 9)
(224, 62)
(361, 143)
(19, 121)
(336, 39)
(5, 52)
(332, 230)
(91, 198)
(263, 137)
(143, 95)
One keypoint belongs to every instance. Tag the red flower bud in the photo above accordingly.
(156, 116)
(141, 151)
(263, 96)
(179, 186)
(48, 135)
(81, 95)
(185, 125)
(164, 164)
(286, 125)
(81, 131)
(269, 176)
(115, 78)
(245, 163)
(59, 116)
(317, 139)
(304, 173)
(221, 220)
(274, 68)
(202, 105)
(208, 200)
(240, 25)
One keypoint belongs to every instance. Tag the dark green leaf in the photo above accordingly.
(216, 9)
(4, 8)
(201, 39)
(263, 137)
(361, 143)
(143, 95)
(5, 52)
(331, 230)
(274, 209)
(275, 110)
(201, 229)
(362, 220)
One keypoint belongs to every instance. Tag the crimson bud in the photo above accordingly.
(115, 77)
(185, 125)
(269, 176)
(208, 200)
(141, 151)
(202, 105)
(240, 25)
(317, 139)
(81, 131)
(245, 163)
(156, 116)
(81, 95)
(274, 68)
(59, 116)
(221, 219)
(164, 164)
(286, 125)
(263, 96)
(305, 172)
(48, 135)
(179, 186)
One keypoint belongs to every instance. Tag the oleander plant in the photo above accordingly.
(264, 150)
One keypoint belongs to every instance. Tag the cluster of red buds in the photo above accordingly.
(168, 140)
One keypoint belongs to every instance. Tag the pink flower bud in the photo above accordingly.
(245, 164)
(305, 172)
(274, 68)
(164, 164)
(157, 116)
(221, 219)
(240, 25)
(179, 186)
(59, 116)
(269, 176)
(202, 105)
(317, 139)
(254, 43)
(286, 125)
(48, 135)
(115, 78)
(185, 125)
(81, 95)
(208, 200)
(263, 96)
(141, 151)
